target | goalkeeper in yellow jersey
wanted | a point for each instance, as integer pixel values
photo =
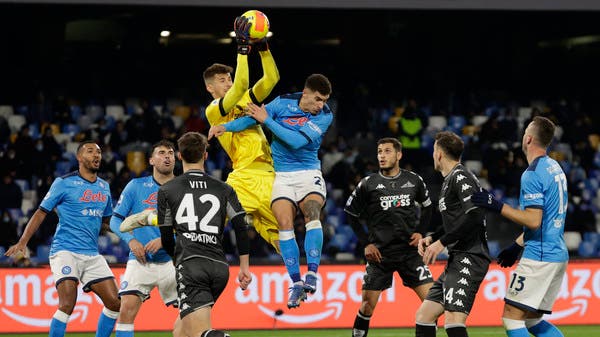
(253, 173)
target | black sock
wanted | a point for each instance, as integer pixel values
(422, 330)
(361, 325)
(457, 331)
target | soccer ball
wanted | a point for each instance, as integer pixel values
(259, 23)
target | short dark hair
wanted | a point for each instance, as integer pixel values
(85, 142)
(216, 68)
(192, 146)
(163, 142)
(318, 82)
(450, 143)
(543, 130)
(391, 140)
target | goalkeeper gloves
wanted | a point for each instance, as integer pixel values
(241, 27)
(486, 200)
(509, 256)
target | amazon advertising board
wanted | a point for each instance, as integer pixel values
(28, 299)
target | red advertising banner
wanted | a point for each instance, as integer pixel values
(28, 299)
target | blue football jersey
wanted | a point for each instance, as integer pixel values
(544, 186)
(81, 205)
(139, 194)
(286, 111)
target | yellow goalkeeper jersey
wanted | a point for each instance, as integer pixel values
(248, 148)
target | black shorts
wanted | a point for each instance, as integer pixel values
(200, 282)
(409, 265)
(456, 288)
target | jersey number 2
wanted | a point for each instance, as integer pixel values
(186, 213)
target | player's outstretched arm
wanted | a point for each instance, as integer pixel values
(529, 217)
(30, 229)
(267, 82)
(241, 81)
(143, 218)
(292, 138)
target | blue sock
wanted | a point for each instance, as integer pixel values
(124, 330)
(313, 244)
(290, 253)
(106, 323)
(58, 324)
(545, 329)
(521, 332)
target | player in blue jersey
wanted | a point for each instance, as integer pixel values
(298, 122)
(149, 265)
(536, 281)
(83, 203)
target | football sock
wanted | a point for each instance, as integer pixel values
(544, 329)
(124, 330)
(313, 243)
(106, 322)
(515, 327)
(425, 329)
(456, 330)
(58, 325)
(290, 253)
(361, 325)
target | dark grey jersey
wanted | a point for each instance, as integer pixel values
(454, 205)
(197, 206)
(390, 207)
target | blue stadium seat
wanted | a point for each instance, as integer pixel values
(104, 245)
(341, 242)
(70, 129)
(42, 254)
(456, 123)
(2, 257)
(587, 249)
(593, 237)
(62, 168)
(23, 184)
(75, 111)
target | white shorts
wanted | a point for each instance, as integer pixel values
(140, 279)
(295, 186)
(87, 269)
(534, 285)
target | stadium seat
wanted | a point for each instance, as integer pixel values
(6, 111)
(42, 254)
(136, 161)
(23, 184)
(437, 123)
(572, 240)
(71, 147)
(524, 112)
(62, 138)
(95, 112)
(15, 213)
(587, 249)
(75, 111)
(177, 122)
(333, 220)
(474, 166)
(2, 257)
(62, 168)
(34, 130)
(15, 122)
(26, 206)
(84, 122)
(593, 237)
(104, 245)
(456, 123)
(115, 111)
(71, 129)
(479, 120)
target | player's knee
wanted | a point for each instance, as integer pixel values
(214, 333)
(367, 308)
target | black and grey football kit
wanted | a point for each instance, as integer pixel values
(391, 207)
(195, 206)
(464, 234)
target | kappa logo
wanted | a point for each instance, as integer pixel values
(461, 291)
(407, 185)
(465, 187)
(459, 177)
(463, 281)
(379, 186)
(458, 303)
(466, 261)
(465, 271)
(185, 306)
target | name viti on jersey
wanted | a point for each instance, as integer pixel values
(388, 201)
